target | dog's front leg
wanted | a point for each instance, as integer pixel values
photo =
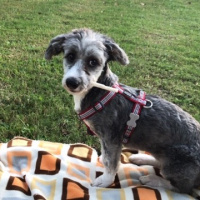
(110, 157)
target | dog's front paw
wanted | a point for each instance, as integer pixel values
(104, 180)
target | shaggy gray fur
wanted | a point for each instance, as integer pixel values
(171, 135)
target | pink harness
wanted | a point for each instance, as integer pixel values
(139, 103)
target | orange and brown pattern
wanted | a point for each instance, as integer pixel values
(51, 171)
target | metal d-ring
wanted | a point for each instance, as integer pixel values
(151, 104)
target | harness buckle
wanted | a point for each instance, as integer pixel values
(99, 106)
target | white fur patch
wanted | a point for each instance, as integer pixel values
(77, 101)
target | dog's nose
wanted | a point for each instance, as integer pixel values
(72, 83)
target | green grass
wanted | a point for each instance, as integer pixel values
(162, 39)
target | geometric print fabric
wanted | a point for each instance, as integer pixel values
(47, 164)
(19, 184)
(43, 170)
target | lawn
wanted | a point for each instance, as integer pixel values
(161, 38)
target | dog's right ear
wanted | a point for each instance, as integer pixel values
(56, 46)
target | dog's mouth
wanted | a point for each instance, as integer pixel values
(80, 89)
(74, 91)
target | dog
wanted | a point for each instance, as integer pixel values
(171, 135)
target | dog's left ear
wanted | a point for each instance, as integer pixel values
(116, 53)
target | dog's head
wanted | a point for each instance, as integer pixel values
(86, 54)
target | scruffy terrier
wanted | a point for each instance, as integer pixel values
(129, 118)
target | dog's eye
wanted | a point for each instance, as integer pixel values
(93, 62)
(71, 57)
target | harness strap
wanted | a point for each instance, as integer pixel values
(139, 103)
(141, 99)
(137, 107)
(98, 106)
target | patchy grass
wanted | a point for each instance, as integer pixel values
(161, 38)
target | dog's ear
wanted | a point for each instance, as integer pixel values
(115, 52)
(56, 46)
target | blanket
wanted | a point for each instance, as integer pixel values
(44, 170)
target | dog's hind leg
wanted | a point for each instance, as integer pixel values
(179, 179)
(181, 175)
(151, 180)
(110, 158)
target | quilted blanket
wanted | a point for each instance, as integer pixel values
(44, 170)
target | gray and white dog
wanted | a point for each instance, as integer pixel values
(171, 135)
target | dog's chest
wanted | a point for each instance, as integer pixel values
(77, 101)
(77, 107)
